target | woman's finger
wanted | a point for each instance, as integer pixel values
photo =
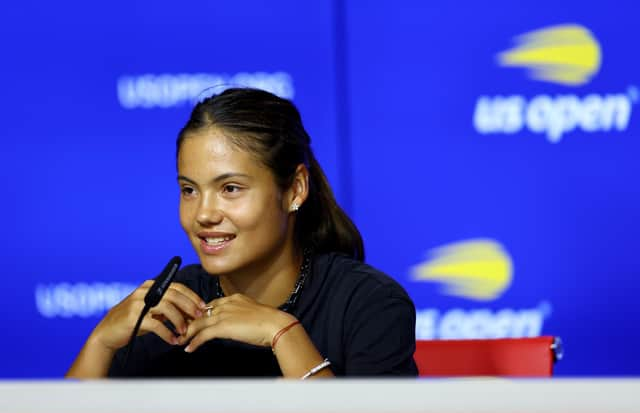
(210, 318)
(174, 288)
(235, 317)
(183, 302)
(189, 293)
(211, 313)
(213, 331)
(172, 313)
(150, 324)
(235, 298)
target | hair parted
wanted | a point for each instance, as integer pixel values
(270, 128)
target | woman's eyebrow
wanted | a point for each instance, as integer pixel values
(184, 178)
(217, 178)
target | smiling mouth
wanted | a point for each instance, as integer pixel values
(217, 240)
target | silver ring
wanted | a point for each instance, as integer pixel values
(209, 309)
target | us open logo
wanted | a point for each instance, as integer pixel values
(568, 56)
(478, 270)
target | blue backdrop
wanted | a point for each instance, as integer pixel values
(486, 151)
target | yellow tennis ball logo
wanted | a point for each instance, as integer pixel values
(478, 269)
(567, 54)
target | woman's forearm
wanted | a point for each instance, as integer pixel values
(297, 354)
(92, 362)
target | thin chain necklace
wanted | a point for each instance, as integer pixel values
(288, 306)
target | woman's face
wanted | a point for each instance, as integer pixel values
(230, 206)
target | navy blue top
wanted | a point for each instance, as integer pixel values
(359, 318)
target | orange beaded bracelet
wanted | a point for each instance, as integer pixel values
(279, 334)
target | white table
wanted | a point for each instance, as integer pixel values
(493, 395)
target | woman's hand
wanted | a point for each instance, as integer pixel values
(179, 305)
(239, 318)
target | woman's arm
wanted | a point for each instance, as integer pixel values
(93, 361)
(297, 354)
(178, 305)
(240, 318)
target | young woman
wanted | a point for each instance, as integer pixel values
(281, 288)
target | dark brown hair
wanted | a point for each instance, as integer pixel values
(270, 128)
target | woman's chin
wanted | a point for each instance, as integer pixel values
(216, 265)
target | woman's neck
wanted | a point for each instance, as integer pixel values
(269, 281)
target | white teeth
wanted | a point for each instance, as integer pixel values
(217, 240)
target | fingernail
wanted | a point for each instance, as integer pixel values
(199, 313)
(188, 348)
(203, 304)
(174, 341)
(183, 330)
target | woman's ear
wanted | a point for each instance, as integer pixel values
(299, 189)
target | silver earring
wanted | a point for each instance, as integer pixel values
(294, 207)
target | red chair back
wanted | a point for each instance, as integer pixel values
(524, 357)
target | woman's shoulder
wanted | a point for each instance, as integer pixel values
(346, 273)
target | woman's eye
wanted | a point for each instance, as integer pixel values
(231, 188)
(185, 190)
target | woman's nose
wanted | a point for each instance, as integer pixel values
(209, 212)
